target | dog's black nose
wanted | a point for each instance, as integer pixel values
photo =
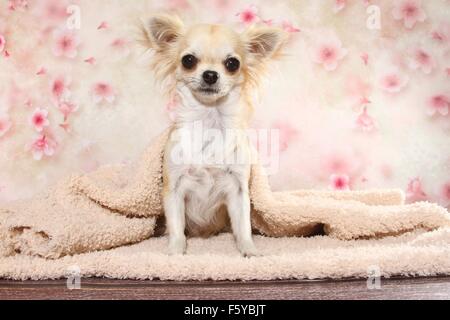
(210, 77)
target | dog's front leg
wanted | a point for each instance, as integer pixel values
(176, 221)
(238, 205)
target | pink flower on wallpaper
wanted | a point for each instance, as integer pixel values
(103, 92)
(357, 90)
(103, 25)
(268, 22)
(67, 108)
(28, 103)
(287, 133)
(329, 53)
(286, 25)
(248, 15)
(289, 27)
(421, 59)
(14, 4)
(365, 58)
(60, 88)
(365, 122)
(66, 44)
(410, 11)
(5, 125)
(415, 192)
(39, 120)
(386, 171)
(90, 60)
(54, 9)
(121, 47)
(340, 182)
(393, 81)
(442, 33)
(445, 193)
(178, 4)
(438, 104)
(42, 145)
(2, 43)
(339, 5)
(41, 71)
(65, 126)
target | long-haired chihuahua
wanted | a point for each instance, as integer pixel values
(213, 70)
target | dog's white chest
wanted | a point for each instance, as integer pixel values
(207, 164)
(208, 172)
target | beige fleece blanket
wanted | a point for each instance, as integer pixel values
(103, 224)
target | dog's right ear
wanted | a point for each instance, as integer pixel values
(163, 30)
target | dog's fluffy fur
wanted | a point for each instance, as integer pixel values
(201, 197)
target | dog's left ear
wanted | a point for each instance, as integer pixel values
(264, 42)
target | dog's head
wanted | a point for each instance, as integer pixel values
(210, 60)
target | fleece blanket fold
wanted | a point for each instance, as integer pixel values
(85, 216)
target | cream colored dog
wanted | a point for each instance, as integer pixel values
(207, 161)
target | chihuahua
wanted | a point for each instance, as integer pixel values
(207, 161)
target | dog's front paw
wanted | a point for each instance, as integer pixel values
(249, 250)
(177, 246)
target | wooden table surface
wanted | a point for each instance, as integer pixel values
(94, 288)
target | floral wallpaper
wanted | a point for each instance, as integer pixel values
(360, 100)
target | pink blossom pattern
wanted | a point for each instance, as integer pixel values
(438, 104)
(286, 25)
(14, 4)
(365, 122)
(340, 182)
(415, 191)
(67, 108)
(339, 5)
(60, 88)
(358, 90)
(328, 54)
(102, 91)
(121, 47)
(65, 126)
(268, 22)
(2, 43)
(66, 44)
(410, 11)
(103, 25)
(249, 15)
(39, 120)
(178, 4)
(5, 125)
(393, 81)
(53, 10)
(90, 60)
(441, 34)
(287, 133)
(289, 27)
(422, 60)
(42, 146)
(360, 97)
(365, 58)
(386, 171)
(41, 71)
(445, 192)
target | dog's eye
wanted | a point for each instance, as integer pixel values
(189, 61)
(232, 64)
